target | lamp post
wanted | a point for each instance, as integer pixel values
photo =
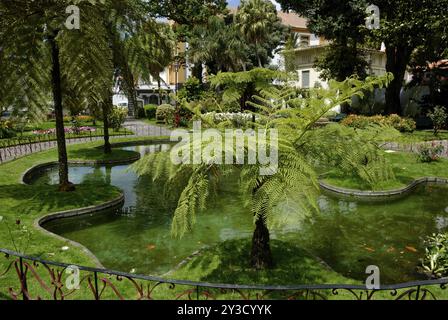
(176, 76)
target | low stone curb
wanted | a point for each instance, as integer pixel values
(139, 142)
(378, 194)
(39, 222)
(28, 175)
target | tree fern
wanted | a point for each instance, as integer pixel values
(295, 175)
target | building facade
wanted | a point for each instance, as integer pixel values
(310, 47)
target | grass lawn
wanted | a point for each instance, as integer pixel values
(406, 168)
(26, 203)
(225, 263)
(423, 135)
(155, 123)
(228, 263)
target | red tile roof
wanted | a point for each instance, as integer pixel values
(293, 20)
(288, 19)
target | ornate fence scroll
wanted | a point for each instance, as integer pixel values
(31, 278)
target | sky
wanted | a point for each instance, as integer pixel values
(235, 3)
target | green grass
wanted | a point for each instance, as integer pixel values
(406, 168)
(229, 262)
(422, 136)
(154, 122)
(226, 263)
(27, 203)
(50, 124)
(30, 137)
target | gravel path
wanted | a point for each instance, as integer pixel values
(414, 147)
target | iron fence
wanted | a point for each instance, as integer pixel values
(34, 278)
(14, 148)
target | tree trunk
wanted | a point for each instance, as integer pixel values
(397, 61)
(106, 110)
(64, 183)
(198, 70)
(260, 64)
(159, 86)
(261, 255)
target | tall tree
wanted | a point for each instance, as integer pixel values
(258, 22)
(294, 174)
(186, 12)
(218, 45)
(404, 26)
(33, 35)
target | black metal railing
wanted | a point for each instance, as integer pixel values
(28, 278)
(14, 148)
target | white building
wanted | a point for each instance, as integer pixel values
(310, 47)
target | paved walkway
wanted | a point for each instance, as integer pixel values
(143, 129)
(140, 129)
(414, 147)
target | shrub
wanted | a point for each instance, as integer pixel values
(79, 118)
(394, 120)
(435, 262)
(150, 111)
(7, 129)
(165, 113)
(429, 153)
(192, 90)
(140, 113)
(438, 118)
(117, 117)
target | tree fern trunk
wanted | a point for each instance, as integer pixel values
(106, 110)
(64, 183)
(261, 255)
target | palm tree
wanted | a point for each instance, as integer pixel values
(32, 35)
(294, 175)
(257, 20)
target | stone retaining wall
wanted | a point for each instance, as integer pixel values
(379, 194)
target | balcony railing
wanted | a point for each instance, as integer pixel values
(31, 278)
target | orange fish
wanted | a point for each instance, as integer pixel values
(369, 249)
(411, 249)
(150, 247)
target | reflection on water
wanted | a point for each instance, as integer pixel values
(347, 234)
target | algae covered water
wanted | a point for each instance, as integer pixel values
(348, 234)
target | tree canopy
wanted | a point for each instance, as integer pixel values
(404, 27)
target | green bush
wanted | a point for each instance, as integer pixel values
(117, 117)
(192, 90)
(150, 111)
(140, 113)
(430, 153)
(394, 120)
(7, 129)
(165, 113)
(438, 118)
(82, 118)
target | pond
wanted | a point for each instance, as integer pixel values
(348, 234)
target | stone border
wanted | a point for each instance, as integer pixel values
(139, 142)
(28, 174)
(115, 203)
(378, 194)
(39, 223)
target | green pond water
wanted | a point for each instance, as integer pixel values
(348, 234)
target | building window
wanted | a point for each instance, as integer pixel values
(305, 79)
(304, 40)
